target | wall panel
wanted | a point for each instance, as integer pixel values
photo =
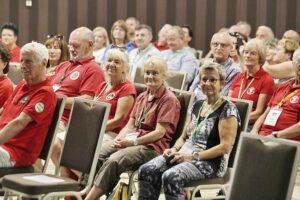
(205, 16)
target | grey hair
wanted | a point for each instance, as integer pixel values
(246, 24)
(39, 50)
(270, 32)
(212, 66)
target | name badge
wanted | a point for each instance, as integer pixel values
(55, 87)
(132, 136)
(273, 116)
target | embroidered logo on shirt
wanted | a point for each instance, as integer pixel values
(110, 96)
(251, 91)
(294, 99)
(39, 107)
(23, 100)
(74, 75)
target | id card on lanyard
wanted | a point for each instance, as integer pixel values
(276, 111)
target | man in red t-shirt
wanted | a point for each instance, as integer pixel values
(282, 117)
(79, 77)
(27, 114)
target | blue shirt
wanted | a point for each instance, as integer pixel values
(129, 46)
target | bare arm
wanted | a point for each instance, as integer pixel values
(14, 127)
(263, 99)
(123, 108)
(70, 100)
(1, 110)
(260, 121)
(290, 132)
(281, 70)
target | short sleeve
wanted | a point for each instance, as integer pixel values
(40, 105)
(127, 89)
(230, 110)
(268, 86)
(169, 111)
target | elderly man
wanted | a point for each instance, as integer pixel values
(79, 77)
(9, 36)
(220, 45)
(264, 33)
(281, 118)
(178, 57)
(291, 35)
(27, 114)
(137, 57)
(161, 43)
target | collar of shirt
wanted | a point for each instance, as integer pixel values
(257, 75)
(226, 63)
(144, 50)
(295, 86)
(159, 92)
(83, 61)
(32, 87)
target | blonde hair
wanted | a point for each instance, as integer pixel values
(104, 33)
(118, 53)
(258, 46)
(159, 64)
(290, 46)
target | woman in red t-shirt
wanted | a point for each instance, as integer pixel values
(254, 84)
(6, 87)
(117, 91)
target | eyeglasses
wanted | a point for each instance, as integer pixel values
(58, 36)
(212, 80)
(123, 49)
(222, 45)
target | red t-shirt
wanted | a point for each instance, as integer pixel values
(122, 89)
(81, 78)
(38, 101)
(6, 88)
(165, 109)
(263, 84)
(290, 109)
(15, 54)
(160, 48)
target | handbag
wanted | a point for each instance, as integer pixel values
(120, 192)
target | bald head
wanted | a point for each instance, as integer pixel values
(221, 45)
(291, 35)
(81, 43)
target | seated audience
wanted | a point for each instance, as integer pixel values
(270, 51)
(144, 50)
(161, 43)
(6, 86)
(291, 35)
(264, 33)
(284, 52)
(27, 114)
(117, 91)
(101, 42)
(221, 46)
(131, 23)
(147, 134)
(9, 36)
(180, 58)
(244, 29)
(254, 84)
(281, 118)
(58, 52)
(203, 149)
(118, 36)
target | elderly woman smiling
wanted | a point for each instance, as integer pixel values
(147, 134)
(254, 84)
(202, 151)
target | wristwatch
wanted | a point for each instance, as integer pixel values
(134, 142)
(196, 156)
(275, 134)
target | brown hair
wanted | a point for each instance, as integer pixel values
(121, 23)
(5, 56)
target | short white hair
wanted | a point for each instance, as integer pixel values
(39, 50)
(269, 30)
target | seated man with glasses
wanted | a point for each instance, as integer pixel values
(221, 45)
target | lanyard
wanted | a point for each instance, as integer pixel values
(200, 125)
(143, 114)
(241, 94)
(65, 74)
(287, 98)
(101, 92)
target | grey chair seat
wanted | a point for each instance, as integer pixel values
(17, 182)
(17, 170)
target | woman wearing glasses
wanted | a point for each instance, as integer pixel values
(148, 132)
(58, 52)
(254, 84)
(202, 151)
(6, 87)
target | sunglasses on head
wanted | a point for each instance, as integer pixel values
(58, 36)
(123, 49)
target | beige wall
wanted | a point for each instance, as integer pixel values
(205, 16)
